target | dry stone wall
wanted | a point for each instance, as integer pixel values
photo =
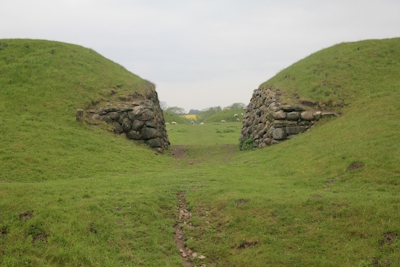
(270, 122)
(141, 120)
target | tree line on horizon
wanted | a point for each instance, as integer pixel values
(207, 111)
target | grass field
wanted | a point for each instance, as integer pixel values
(169, 117)
(72, 195)
(227, 115)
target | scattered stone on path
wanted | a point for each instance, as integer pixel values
(183, 254)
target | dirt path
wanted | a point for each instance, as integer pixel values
(179, 232)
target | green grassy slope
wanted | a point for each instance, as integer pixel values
(169, 117)
(298, 203)
(42, 84)
(82, 185)
(344, 73)
(197, 134)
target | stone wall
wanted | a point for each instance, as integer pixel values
(270, 122)
(140, 119)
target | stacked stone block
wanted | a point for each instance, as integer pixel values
(269, 122)
(141, 121)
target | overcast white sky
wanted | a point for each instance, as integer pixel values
(202, 53)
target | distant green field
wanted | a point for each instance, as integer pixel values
(207, 134)
(74, 195)
(169, 117)
(227, 115)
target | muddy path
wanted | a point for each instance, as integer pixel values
(179, 232)
(183, 217)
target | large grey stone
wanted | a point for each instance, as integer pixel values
(113, 115)
(293, 116)
(270, 116)
(261, 145)
(307, 116)
(317, 115)
(268, 141)
(280, 124)
(122, 116)
(271, 130)
(146, 115)
(96, 117)
(118, 127)
(288, 108)
(137, 125)
(107, 119)
(138, 109)
(151, 123)
(125, 109)
(131, 115)
(279, 134)
(110, 109)
(271, 105)
(126, 125)
(276, 109)
(156, 142)
(295, 129)
(304, 123)
(135, 135)
(275, 142)
(280, 115)
(150, 133)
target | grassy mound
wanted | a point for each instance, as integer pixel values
(42, 85)
(170, 117)
(62, 182)
(342, 74)
(227, 115)
(329, 197)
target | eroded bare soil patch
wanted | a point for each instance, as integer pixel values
(178, 152)
(356, 165)
(41, 237)
(246, 244)
(179, 232)
(242, 202)
(26, 215)
(389, 237)
(3, 232)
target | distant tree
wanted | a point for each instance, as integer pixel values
(211, 110)
(163, 105)
(236, 106)
(194, 111)
(176, 110)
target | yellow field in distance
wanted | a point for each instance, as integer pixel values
(190, 116)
